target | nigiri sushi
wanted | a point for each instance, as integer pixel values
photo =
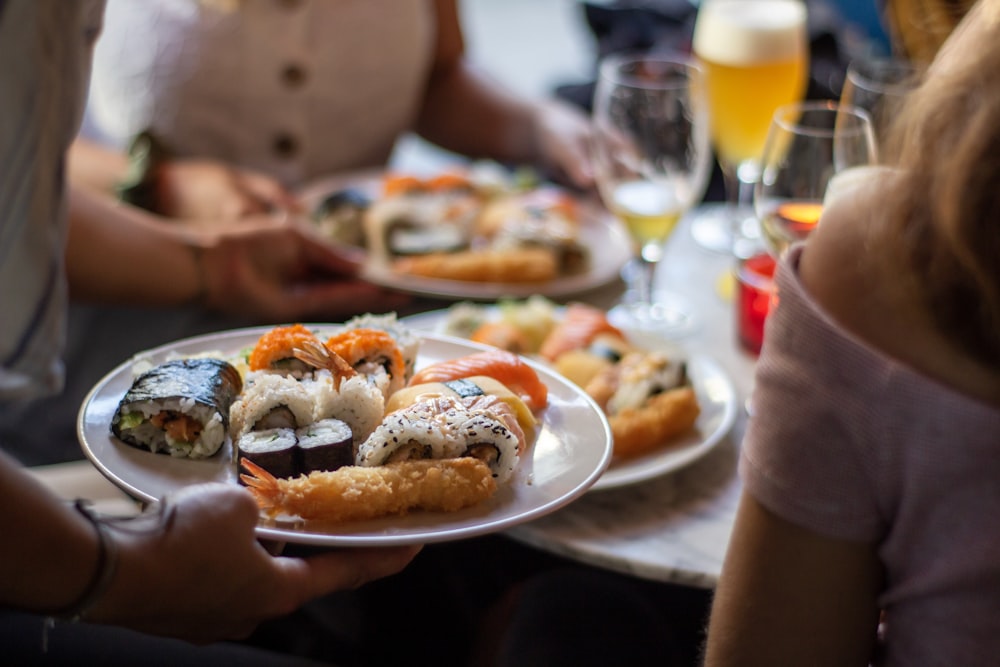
(580, 324)
(502, 365)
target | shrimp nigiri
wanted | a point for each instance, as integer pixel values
(500, 365)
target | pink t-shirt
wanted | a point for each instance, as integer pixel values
(852, 444)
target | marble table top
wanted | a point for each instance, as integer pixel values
(675, 527)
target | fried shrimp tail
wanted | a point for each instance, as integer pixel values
(354, 493)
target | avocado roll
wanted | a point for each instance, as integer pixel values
(180, 408)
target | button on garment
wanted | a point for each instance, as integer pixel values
(285, 145)
(293, 76)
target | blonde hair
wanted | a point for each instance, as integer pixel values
(919, 27)
(947, 204)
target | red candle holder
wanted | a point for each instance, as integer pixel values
(754, 296)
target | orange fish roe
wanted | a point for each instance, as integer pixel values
(397, 184)
(277, 344)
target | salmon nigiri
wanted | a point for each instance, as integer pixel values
(579, 326)
(501, 365)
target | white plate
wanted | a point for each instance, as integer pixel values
(606, 240)
(716, 396)
(572, 449)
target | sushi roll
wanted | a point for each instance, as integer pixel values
(180, 408)
(275, 351)
(323, 445)
(372, 353)
(272, 449)
(445, 428)
(488, 439)
(357, 401)
(340, 216)
(405, 337)
(271, 401)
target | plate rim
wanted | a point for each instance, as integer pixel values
(427, 535)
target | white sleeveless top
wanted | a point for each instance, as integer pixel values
(295, 88)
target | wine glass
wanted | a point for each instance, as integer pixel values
(878, 85)
(755, 55)
(651, 161)
(807, 146)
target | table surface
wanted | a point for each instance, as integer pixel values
(676, 527)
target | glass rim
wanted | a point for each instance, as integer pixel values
(789, 118)
(610, 69)
(862, 70)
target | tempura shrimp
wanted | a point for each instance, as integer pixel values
(354, 493)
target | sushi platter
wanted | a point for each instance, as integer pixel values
(601, 247)
(715, 392)
(569, 450)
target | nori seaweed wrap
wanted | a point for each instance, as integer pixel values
(180, 408)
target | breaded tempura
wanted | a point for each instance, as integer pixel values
(522, 265)
(355, 493)
(640, 430)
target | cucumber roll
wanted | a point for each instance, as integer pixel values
(324, 445)
(274, 450)
(180, 408)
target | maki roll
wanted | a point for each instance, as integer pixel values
(340, 216)
(275, 351)
(286, 452)
(325, 445)
(356, 401)
(180, 408)
(446, 428)
(271, 401)
(271, 449)
(405, 337)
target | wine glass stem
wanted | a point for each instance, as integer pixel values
(646, 262)
(739, 181)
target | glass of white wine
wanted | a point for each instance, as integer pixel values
(879, 86)
(807, 146)
(755, 56)
(652, 160)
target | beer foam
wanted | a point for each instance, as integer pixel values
(747, 32)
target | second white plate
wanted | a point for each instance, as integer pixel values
(606, 240)
(716, 396)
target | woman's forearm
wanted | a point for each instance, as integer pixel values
(50, 566)
(120, 254)
(96, 167)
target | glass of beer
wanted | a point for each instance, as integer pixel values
(652, 160)
(755, 55)
(808, 145)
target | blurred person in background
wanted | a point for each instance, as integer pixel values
(885, 342)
